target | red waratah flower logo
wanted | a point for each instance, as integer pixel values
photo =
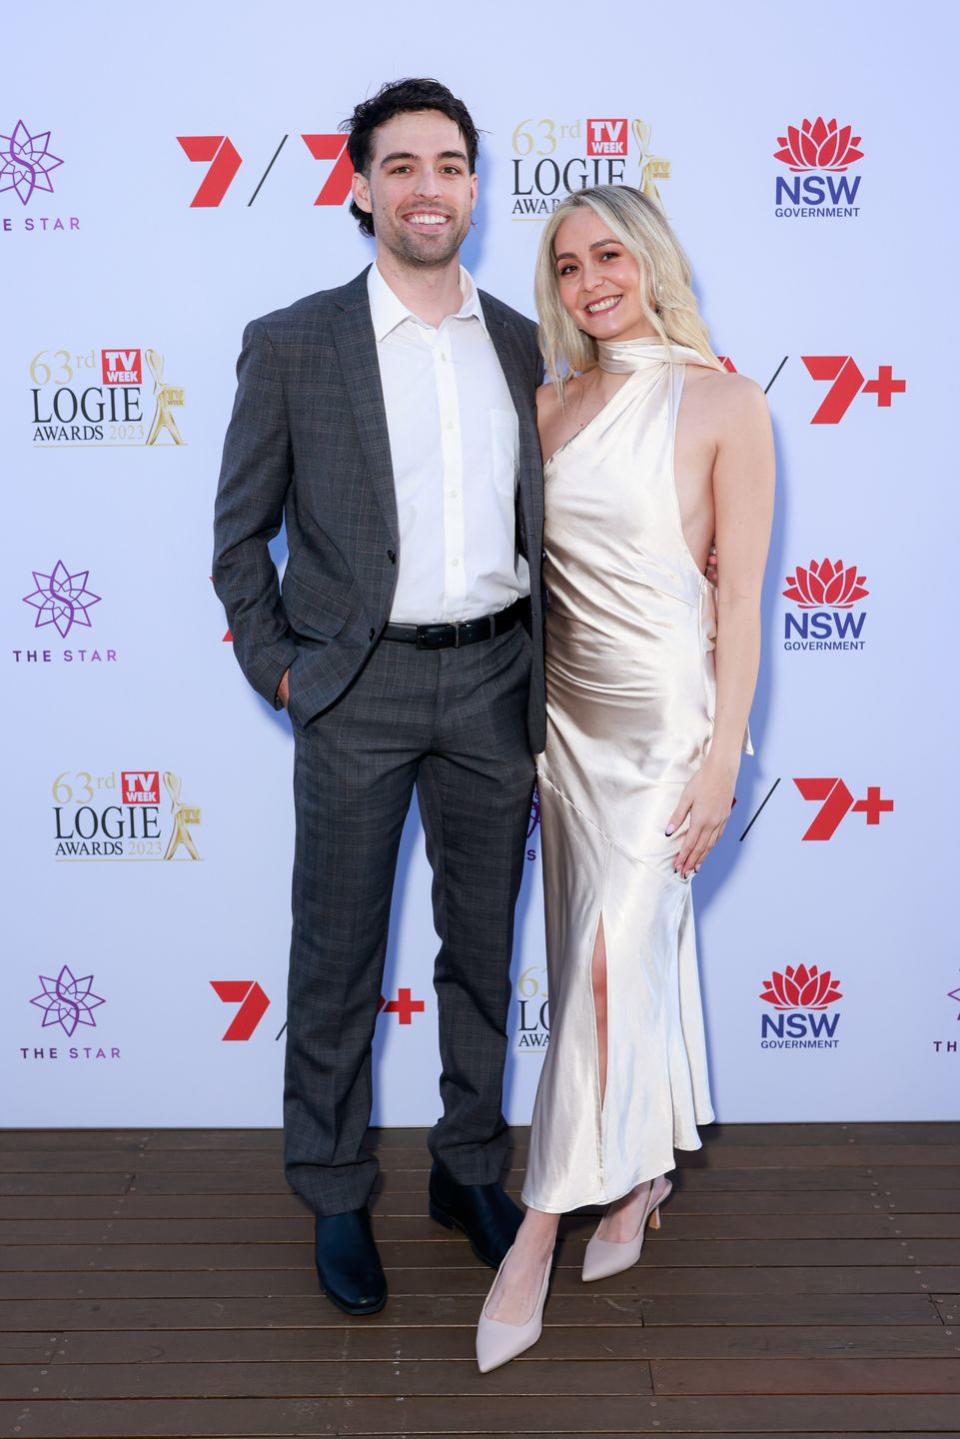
(801, 988)
(828, 582)
(820, 145)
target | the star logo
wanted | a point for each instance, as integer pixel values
(67, 1001)
(25, 162)
(954, 994)
(61, 599)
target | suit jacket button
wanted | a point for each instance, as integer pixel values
(372, 633)
(392, 556)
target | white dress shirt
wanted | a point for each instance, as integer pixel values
(454, 444)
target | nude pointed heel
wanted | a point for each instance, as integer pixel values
(604, 1257)
(498, 1342)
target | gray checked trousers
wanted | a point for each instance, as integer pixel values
(452, 723)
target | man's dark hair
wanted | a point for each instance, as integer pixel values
(397, 98)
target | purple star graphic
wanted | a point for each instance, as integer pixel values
(61, 599)
(26, 162)
(954, 994)
(67, 1001)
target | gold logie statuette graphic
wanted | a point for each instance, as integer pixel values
(183, 816)
(167, 397)
(652, 167)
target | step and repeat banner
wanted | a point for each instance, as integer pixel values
(164, 180)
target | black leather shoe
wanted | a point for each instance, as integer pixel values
(485, 1213)
(348, 1264)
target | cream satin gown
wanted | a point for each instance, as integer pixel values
(630, 701)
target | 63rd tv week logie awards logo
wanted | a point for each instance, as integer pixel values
(551, 158)
(96, 397)
(122, 816)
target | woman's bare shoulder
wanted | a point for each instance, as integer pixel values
(726, 393)
(551, 402)
(548, 397)
(727, 383)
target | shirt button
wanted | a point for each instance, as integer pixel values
(455, 564)
(454, 494)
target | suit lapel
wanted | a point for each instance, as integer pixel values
(517, 374)
(503, 342)
(360, 367)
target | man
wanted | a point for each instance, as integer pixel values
(392, 423)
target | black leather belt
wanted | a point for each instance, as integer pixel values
(453, 636)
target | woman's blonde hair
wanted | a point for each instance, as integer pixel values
(641, 227)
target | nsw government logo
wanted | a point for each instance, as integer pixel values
(552, 158)
(122, 816)
(97, 398)
(817, 154)
(825, 593)
(800, 997)
(62, 601)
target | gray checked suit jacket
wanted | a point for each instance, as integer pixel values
(308, 442)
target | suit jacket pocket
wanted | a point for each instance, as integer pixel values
(315, 610)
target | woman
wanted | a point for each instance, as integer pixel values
(652, 449)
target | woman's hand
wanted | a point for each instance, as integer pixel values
(708, 800)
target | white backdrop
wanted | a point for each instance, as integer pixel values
(137, 715)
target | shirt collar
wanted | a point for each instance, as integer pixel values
(387, 310)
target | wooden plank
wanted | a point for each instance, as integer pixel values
(559, 1342)
(400, 1137)
(319, 1378)
(915, 1177)
(927, 1201)
(98, 1161)
(117, 1226)
(17, 1141)
(208, 1180)
(450, 1251)
(502, 1414)
(842, 1309)
(29, 1184)
(804, 1376)
(739, 1157)
(854, 1132)
(260, 1308)
(473, 1280)
(897, 1131)
(739, 1206)
(28, 1348)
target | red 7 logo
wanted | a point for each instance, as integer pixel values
(336, 187)
(837, 801)
(847, 382)
(225, 162)
(252, 1000)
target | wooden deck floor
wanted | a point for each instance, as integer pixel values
(806, 1282)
